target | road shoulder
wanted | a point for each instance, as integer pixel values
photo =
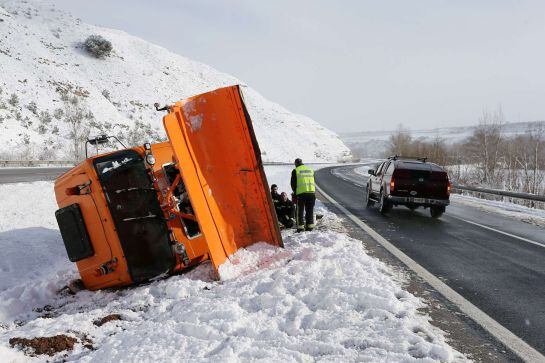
(463, 333)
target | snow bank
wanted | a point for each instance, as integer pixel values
(520, 212)
(322, 298)
(34, 265)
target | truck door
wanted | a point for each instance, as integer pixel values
(377, 178)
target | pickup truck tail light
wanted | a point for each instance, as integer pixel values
(449, 187)
(392, 185)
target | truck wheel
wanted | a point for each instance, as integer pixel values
(367, 197)
(384, 205)
(437, 211)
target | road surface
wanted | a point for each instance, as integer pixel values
(503, 274)
(22, 175)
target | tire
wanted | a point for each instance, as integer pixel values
(367, 197)
(384, 205)
(437, 211)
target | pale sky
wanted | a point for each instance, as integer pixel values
(357, 65)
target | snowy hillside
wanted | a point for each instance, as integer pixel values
(375, 143)
(42, 58)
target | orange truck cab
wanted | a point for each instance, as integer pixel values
(134, 214)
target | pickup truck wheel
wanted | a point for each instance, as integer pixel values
(384, 205)
(367, 197)
(437, 211)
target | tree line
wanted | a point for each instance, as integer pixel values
(488, 157)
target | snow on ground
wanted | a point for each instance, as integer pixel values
(525, 214)
(322, 298)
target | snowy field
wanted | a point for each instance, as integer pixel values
(322, 298)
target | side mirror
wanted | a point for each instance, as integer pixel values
(371, 171)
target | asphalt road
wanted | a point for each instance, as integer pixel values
(502, 275)
(23, 175)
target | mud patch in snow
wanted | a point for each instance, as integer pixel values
(44, 345)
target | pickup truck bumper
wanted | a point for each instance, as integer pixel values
(418, 201)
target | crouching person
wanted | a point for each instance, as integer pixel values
(285, 211)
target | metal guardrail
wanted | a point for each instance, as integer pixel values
(309, 163)
(503, 193)
(5, 163)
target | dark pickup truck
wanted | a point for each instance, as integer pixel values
(412, 182)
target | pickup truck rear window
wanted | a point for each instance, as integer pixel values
(413, 165)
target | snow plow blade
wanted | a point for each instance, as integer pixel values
(215, 146)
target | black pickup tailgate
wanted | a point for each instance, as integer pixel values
(420, 180)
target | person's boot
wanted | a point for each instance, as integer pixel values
(300, 229)
(309, 227)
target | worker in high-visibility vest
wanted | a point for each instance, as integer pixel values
(302, 184)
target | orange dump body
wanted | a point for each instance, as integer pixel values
(125, 220)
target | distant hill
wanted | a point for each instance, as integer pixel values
(375, 143)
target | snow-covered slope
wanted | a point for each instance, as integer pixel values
(41, 57)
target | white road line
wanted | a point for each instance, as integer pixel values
(498, 231)
(510, 340)
(351, 181)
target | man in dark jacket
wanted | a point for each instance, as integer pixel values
(302, 184)
(285, 211)
(274, 194)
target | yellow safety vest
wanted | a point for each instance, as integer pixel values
(305, 180)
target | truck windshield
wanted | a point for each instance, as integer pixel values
(136, 213)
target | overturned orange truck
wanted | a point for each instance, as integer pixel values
(134, 214)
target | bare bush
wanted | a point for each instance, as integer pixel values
(486, 143)
(32, 107)
(401, 143)
(58, 113)
(14, 100)
(98, 46)
(76, 116)
(491, 159)
(139, 133)
(106, 94)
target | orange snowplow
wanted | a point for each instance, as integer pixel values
(137, 213)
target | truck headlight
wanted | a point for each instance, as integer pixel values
(150, 159)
